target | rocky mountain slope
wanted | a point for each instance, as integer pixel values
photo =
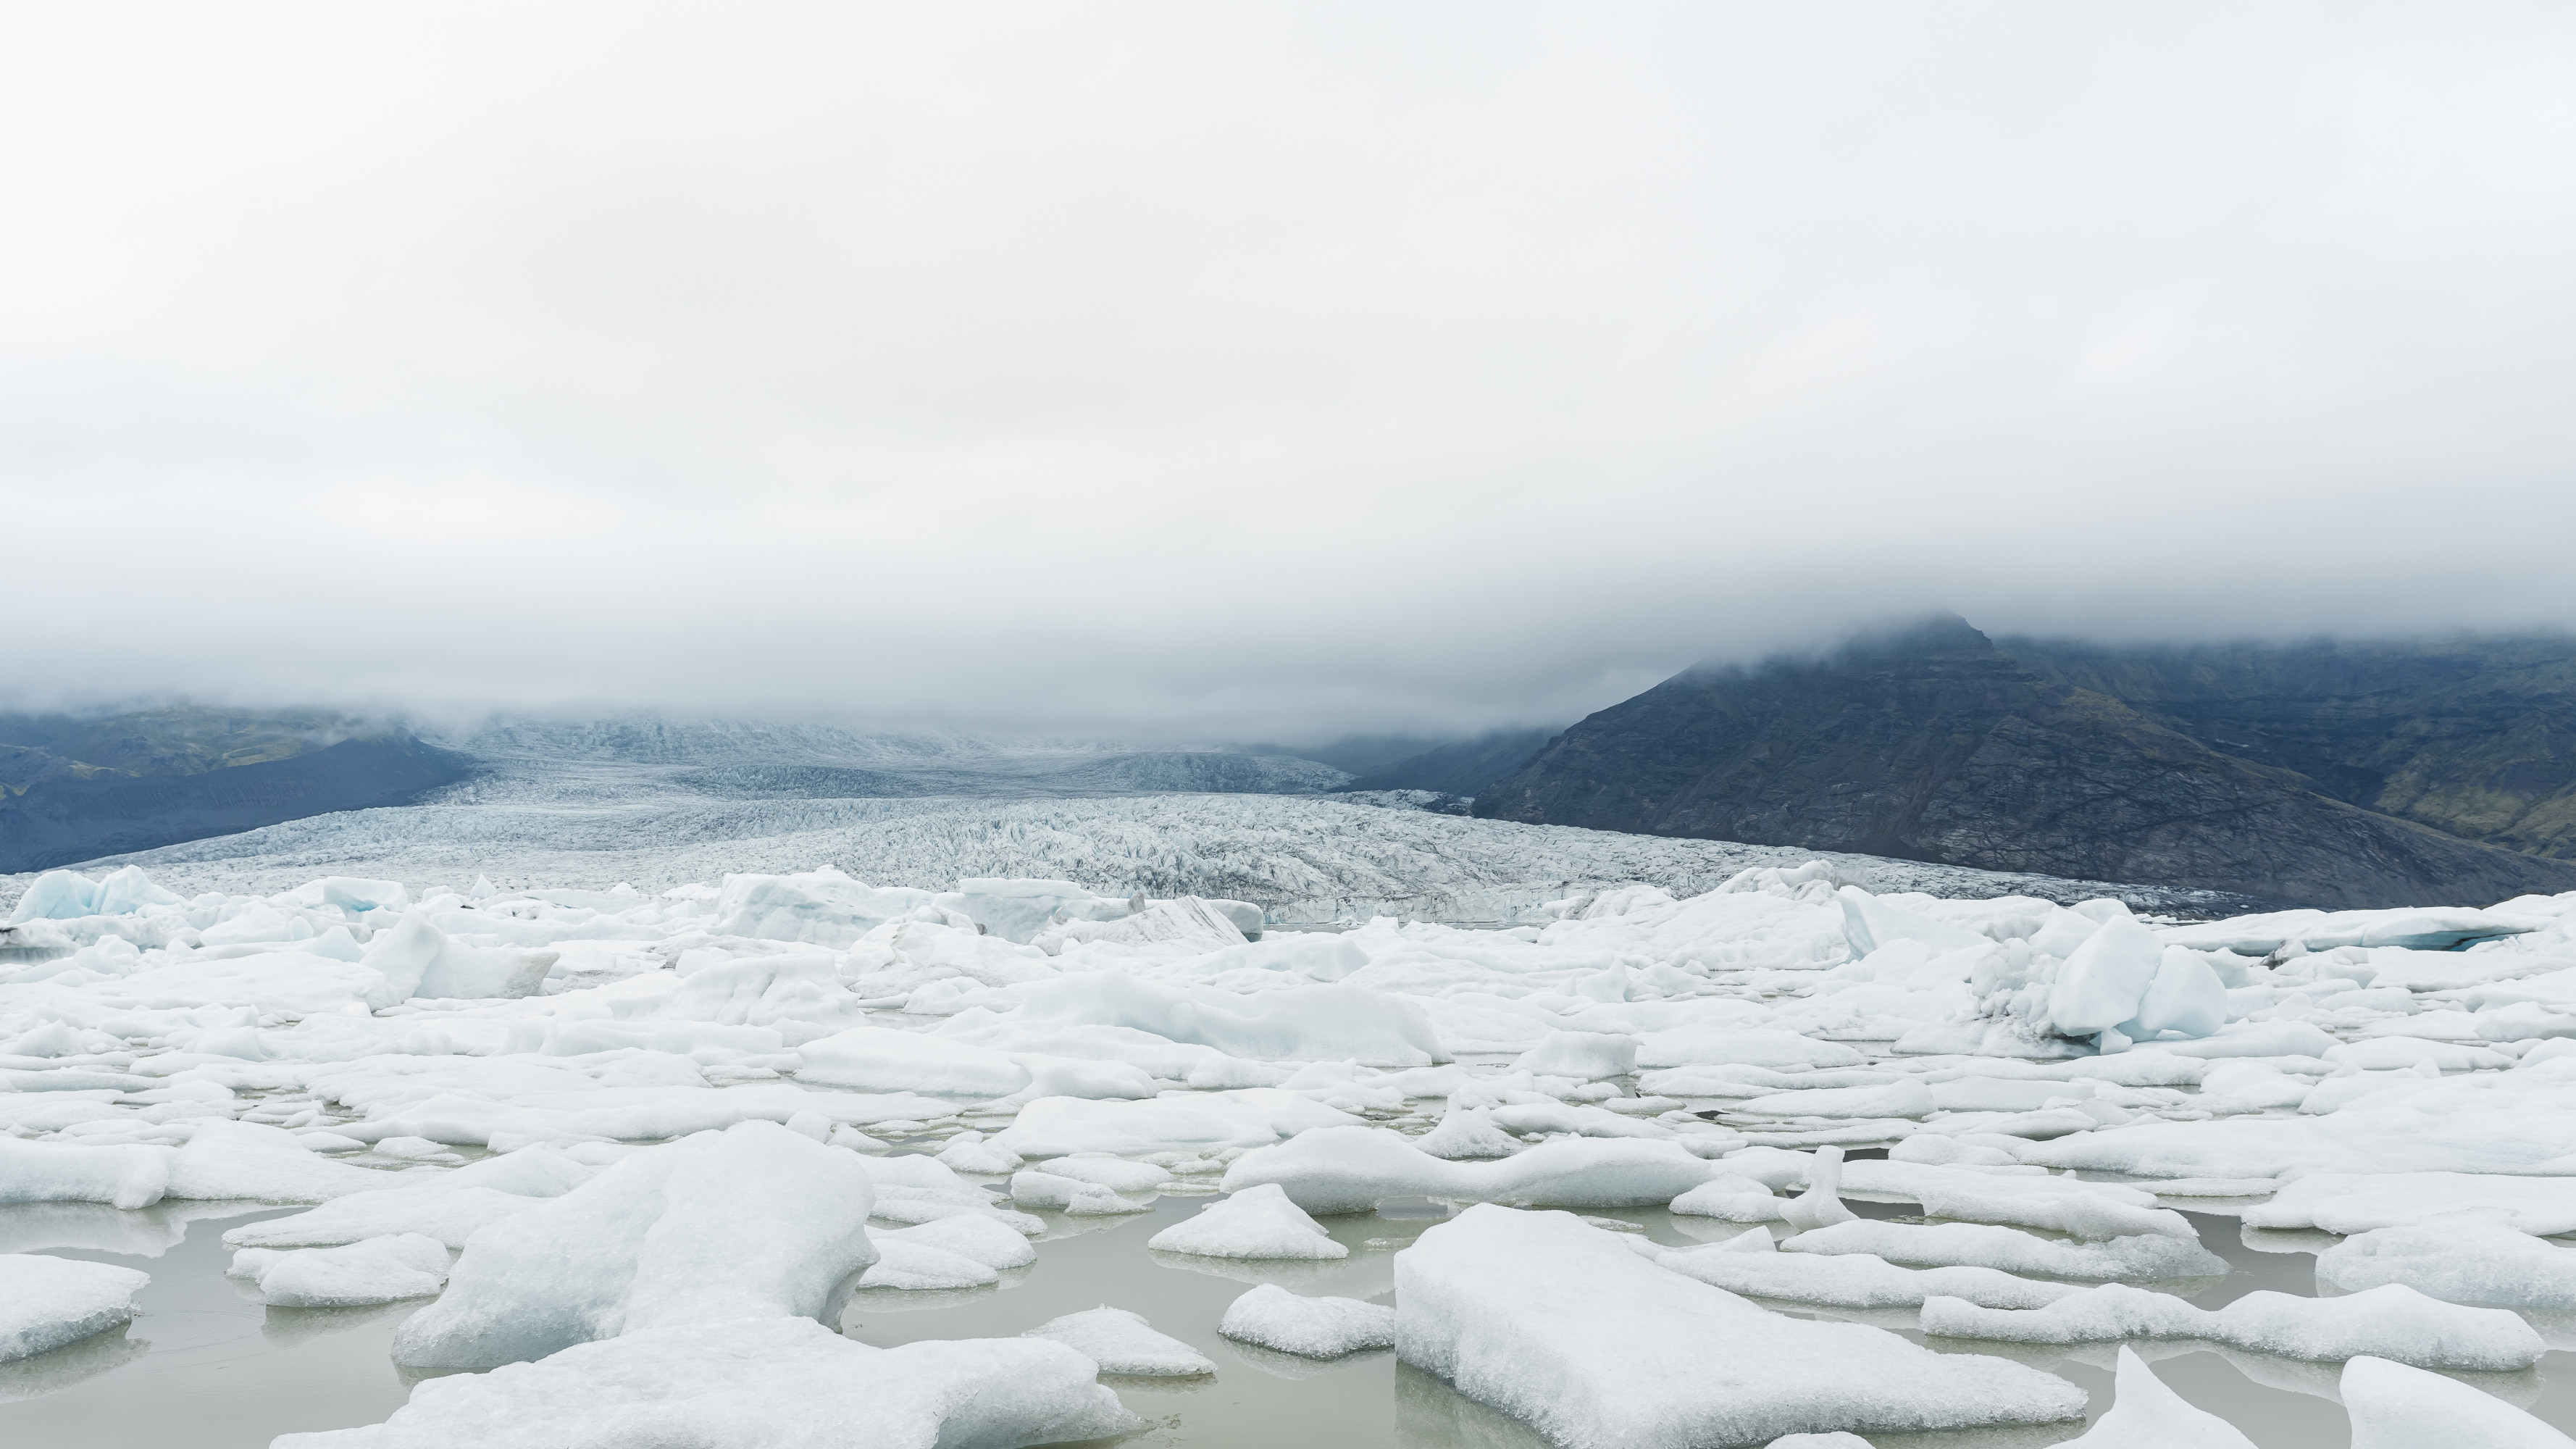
(72, 789)
(2476, 738)
(2179, 766)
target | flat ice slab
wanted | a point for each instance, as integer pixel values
(1564, 1326)
(46, 1302)
(781, 1383)
(1124, 1343)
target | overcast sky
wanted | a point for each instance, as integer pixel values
(1221, 371)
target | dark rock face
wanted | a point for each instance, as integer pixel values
(56, 810)
(1933, 744)
(2474, 737)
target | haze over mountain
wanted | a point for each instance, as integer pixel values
(1231, 373)
(2332, 774)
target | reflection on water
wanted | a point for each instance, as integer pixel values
(204, 1367)
(210, 1366)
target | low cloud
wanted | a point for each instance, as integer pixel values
(1166, 372)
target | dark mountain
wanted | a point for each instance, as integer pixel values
(1460, 767)
(2476, 738)
(76, 789)
(2179, 767)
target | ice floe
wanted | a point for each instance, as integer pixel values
(1274, 1318)
(47, 1302)
(1560, 1325)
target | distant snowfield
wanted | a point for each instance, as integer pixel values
(583, 815)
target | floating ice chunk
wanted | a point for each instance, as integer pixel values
(1731, 1199)
(120, 1176)
(876, 1059)
(1116, 1174)
(2102, 984)
(2146, 1415)
(1467, 1134)
(415, 958)
(2396, 1407)
(46, 1302)
(1016, 910)
(1751, 1266)
(803, 1385)
(1821, 1205)
(984, 1240)
(750, 1222)
(913, 1266)
(354, 893)
(376, 1270)
(1565, 1327)
(1034, 1189)
(2185, 996)
(1124, 1343)
(1254, 1222)
(2390, 1053)
(1196, 1122)
(1272, 1317)
(1073, 1077)
(913, 1189)
(2460, 1259)
(57, 895)
(1353, 1169)
(1909, 1098)
(972, 1152)
(448, 1217)
(2417, 929)
(125, 891)
(1934, 1245)
(1340, 1022)
(2256, 1039)
(817, 908)
(2079, 1209)
(1870, 923)
(1317, 957)
(1585, 1056)
(1687, 1046)
(1166, 930)
(2341, 1202)
(1554, 1117)
(447, 1206)
(248, 1160)
(2391, 1322)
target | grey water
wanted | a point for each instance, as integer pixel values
(209, 1365)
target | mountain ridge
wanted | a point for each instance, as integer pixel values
(1934, 743)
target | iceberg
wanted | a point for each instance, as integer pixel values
(751, 1222)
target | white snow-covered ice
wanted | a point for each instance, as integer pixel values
(652, 1111)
